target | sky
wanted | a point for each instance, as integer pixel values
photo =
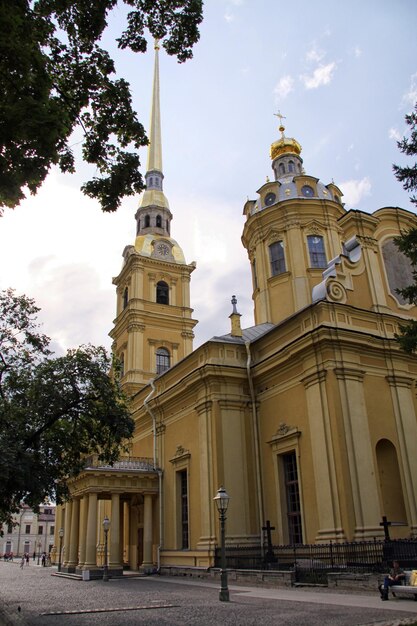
(344, 74)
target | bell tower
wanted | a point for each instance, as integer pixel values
(153, 328)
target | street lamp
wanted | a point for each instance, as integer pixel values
(61, 535)
(222, 502)
(106, 526)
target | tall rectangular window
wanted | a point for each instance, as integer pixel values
(27, 530)
(277, 258)
(183, 488)
(40, 530)
(295, 532)
(316, 251)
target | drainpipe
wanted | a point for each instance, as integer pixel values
(149, 411)
(256, 441)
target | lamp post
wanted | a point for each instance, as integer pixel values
(39, 549)
(106, 526)
(61, 535)
(222, 502)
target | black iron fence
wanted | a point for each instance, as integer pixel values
(313, 562)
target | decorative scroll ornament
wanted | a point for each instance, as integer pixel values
(337, 277)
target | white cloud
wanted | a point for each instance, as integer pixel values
(410, 96)
(393, 133)
(314, 55)
(354, 191)
(357, 51)
(229, 17)
(284, 86)
(322, 75)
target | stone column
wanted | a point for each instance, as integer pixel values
(406, 423)
(83, 529)
(360, 456)
(147, 564)
(328, 506)
(133, 536)
(75, 520)
(91, 539)
(67, 533)
(114, 561)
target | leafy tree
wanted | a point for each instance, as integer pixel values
(53, 410)
(54, 77)
(407, 242)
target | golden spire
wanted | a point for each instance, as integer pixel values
(155, 142)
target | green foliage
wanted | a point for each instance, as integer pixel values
(408, 145)
(53, 410)
(55, 77)
(407, 242)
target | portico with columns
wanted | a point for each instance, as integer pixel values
(127, 494)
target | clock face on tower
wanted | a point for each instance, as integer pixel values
(162, 249)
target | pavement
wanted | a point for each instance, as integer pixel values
(33, 597)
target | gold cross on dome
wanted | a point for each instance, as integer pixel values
(281, 117)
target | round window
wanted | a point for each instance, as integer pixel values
(307, 191)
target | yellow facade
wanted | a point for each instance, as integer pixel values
(308, 418)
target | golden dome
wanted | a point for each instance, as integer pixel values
(284, 145)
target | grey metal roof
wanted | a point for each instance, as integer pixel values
(248, 334)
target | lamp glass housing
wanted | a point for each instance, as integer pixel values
(222, 500)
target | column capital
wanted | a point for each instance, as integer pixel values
(313, 379)
(349, 373)
(400, 381)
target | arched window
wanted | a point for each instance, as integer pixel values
(291, 167)
(162, 292)
(147, 221)
(125, 297)
(138, 228)
(168, 227)
(316, 251)
(122, 364)
(163, 360)
(281, 168)
(277, 258)
(151, 181)
(158, 221)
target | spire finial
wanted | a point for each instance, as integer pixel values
(236, 330)
(281, 126)
(234, 302)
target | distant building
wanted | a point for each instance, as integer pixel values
(308, 418)
(30, 532)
